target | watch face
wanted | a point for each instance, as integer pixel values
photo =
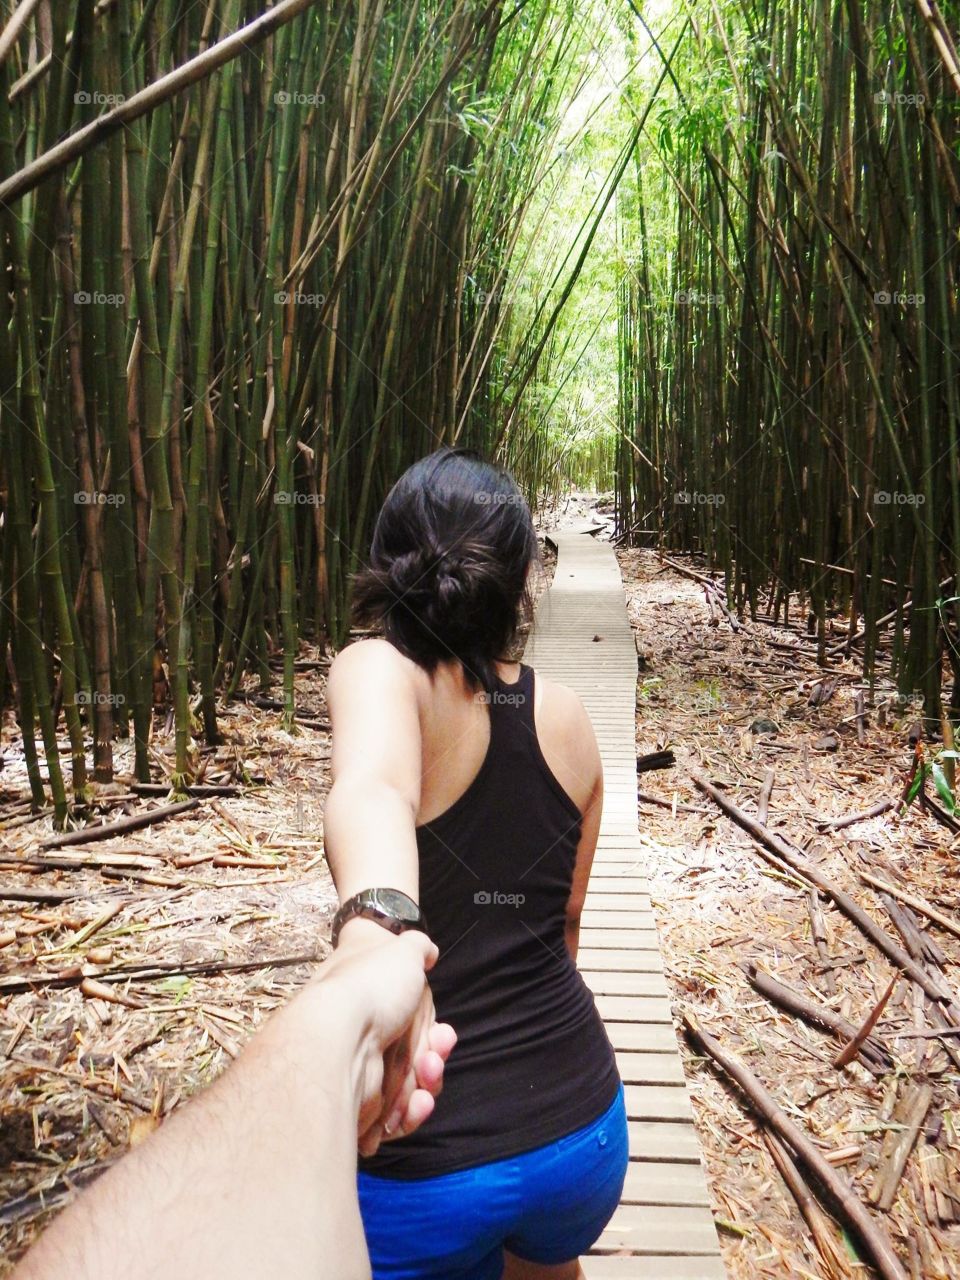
(398, 905)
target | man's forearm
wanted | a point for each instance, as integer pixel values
(255, 1177)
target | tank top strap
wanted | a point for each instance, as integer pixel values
(512, 704)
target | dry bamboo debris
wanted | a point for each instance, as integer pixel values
(871, 1050)
(850, 1208)
(106, 830)
(909, 1115)
(825, 1240)
(920, 946)
(710, 588)
(934, 987)
(149, 972)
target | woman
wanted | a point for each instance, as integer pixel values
(472, 789)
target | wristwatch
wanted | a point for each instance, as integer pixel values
(390, 908)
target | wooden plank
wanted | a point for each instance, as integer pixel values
(632, 960)
(617, 920)
(651, 1068)
(660, 1229)
(664, 1141)
(653, 1267)
(658, 1102)
(604, 983)
(648, 1183)
(622, 939)
(634, 1009)
(643, 1037)
(631, 884)
(596, 901)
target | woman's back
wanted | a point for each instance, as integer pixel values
(497, 851)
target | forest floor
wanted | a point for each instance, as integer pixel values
(86, 1070)
(719, 906)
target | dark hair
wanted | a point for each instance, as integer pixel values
(448, 564)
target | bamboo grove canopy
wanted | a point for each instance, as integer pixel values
(789, 338)
(258, 259)
(256, 262)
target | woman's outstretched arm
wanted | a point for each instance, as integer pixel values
(257, 1176)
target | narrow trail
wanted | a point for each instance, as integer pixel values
(582, 637)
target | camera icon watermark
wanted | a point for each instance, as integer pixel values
(94, 498)
(84, 299)
(284, 298)
(97, 699)
(884, 298)
(884, 498)
(695, 298)
(684, 498)
(494, 898)
(499, 499)
(291, 498)
(86, 98)
(499, 698)
(884, 98)
(283, 98)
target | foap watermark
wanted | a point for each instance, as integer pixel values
(94, 498)
(884, 498)
(88, 98)
(286, 99)
(684, 498)
(884, 98)
(288, 498)
(694, 298)
(500, 499)
(97, 699)
(494, 898)
(84, 299)
(884, 298)
(499, 698)
(285, 298)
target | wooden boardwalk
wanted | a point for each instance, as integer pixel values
(663, 1229)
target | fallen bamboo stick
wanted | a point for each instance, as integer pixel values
(837, 824)
(132, 822)
(150, 972)
(911, 900)
(813, 1215)
(36, 895)
(763, 803)
(854, 1212)
(894, 1159)
(644, 798)
(817, 1015)
(841, 899)
(856, 1043)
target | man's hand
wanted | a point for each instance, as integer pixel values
(403, 1047)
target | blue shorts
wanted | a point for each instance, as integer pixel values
(547, 1206)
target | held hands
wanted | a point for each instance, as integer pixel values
(403, 1047)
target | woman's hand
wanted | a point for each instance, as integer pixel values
(404, 1047)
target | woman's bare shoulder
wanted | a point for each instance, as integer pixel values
(566, 736)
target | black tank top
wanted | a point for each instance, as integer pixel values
(532, 1061)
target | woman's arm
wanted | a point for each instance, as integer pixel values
(587, 847)
(370, 820)
(370, 814)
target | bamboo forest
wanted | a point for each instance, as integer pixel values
(681, 280)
